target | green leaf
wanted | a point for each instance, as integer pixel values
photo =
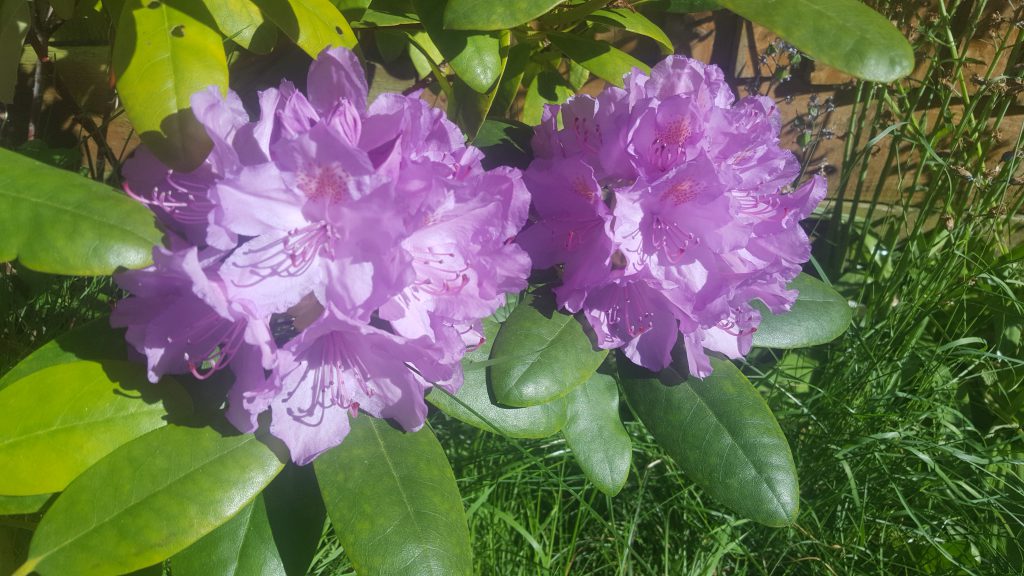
(393, 501)
(540, 354)
(59, 222)
(244, 546)
(634, 22)
(470, 107)
(504, 143)
(596, 436)
(95, 341)
(22, 504)
(275, 535)
(819, 315)
(148, 500)
(511, 78)
(845, 34)
(721, 433)
(14, 20)
(242, 22)
(489, 15)
(601, 58)
(312, 24)
(385, 13)
(89, 410)
(352, 9)
(475, 56)
(546, 87)
(163, 53)
(474, 405)
(13, 547)
(680, 6)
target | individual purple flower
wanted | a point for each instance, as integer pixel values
(666, 207)
(369, 232)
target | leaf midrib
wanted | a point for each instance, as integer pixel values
(76, 214)
(732, 440)
(97, 525)
(401, 488)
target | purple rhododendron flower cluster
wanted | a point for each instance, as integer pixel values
(667, 205)
(370, 232)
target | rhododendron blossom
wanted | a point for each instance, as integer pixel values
(369, 232)
(666, 206)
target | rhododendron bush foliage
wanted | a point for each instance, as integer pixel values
(313, 274)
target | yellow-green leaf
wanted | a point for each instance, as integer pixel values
(56, 422)
(148, 500)
(163, 54)
(242, 22)
(634, 22)
(59, 222)
(601, 58)
(312, 24)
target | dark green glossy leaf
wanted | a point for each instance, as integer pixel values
(601, 58)
(242, 22)
(392, 45)
(22, 504)
(721, 433)
(845, 34)
(540, 354)
(297, 514)
(14, 20)
(489, 15)
(504, 143)
(163, 53)
(819, 315)
(89, 410)
(275, 535)
(352, 9)
(475, 56)
(243, 546)
(13, 547)
(635, 22)
(470, 107)
(59, 222)
(546, 87)
(95, 341)
(394, 504)
(596, 435)
(148, 500)
(474, 404)
(312, 24)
